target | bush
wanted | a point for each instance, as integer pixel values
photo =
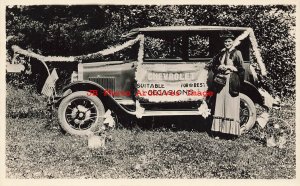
(22, 101)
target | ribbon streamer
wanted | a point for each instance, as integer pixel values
(249, 32)
(104, 52)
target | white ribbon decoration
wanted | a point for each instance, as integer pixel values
(140, 71)
(118, 48)
(204, 110)
(104, 52)
(19, 50)
(141, 38)
(249, 32)
(139, 110)
(238, 40)
(257, 53)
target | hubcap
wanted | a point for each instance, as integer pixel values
(81, 114)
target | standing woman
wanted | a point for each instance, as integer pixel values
(227, 66)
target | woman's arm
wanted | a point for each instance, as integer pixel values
(239, 65)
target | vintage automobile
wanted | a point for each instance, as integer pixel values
(166, 75)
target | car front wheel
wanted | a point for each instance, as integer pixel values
(81, 114)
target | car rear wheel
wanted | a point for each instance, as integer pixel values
(247, 113)
(80, 114)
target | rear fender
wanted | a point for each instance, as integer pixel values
(252, 92)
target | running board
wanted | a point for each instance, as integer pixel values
(158, 112)
(170, 113)
(125, 102)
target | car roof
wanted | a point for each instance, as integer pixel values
(183, 29)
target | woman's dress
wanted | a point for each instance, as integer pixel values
(226, 117)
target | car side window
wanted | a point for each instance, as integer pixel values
(198, 46)
(163, 48)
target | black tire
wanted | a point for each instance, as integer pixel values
(80, 114)
(247, 113)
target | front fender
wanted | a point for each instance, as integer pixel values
(83, 85)
(108, 101)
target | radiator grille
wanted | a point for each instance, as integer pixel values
(109, 83)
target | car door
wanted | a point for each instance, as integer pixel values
(167, 74)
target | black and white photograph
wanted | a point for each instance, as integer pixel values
(143, 91)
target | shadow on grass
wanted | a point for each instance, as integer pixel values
(170, 123)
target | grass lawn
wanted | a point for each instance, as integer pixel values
(35, 152)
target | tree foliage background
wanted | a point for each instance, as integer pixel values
(83, 29)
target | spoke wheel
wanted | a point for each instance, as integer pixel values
(247, 113)
(80, 114)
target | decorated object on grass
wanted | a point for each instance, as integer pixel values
(99, 138)
(276, 132)
(95, 142)
(109, 120)
(263, 119)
